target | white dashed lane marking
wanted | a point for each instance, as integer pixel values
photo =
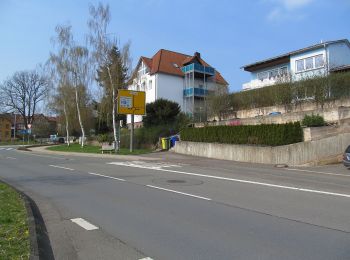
(105, 176)
(61, 167)
(178, 192)
(84, 224)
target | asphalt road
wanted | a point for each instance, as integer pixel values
(168, 206)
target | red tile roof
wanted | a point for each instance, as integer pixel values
(170, 62)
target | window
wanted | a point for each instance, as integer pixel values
(300, 65)
(273, 74)
(319, 61)
(284, 71)
(149, 84)
(263, 75)
(309, 63)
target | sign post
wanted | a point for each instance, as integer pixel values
(29, 131)
(131, 103)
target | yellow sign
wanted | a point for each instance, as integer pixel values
(131, 102)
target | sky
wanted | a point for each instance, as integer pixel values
(228, 33)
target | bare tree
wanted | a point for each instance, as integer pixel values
(59, 74)
(23, 92)
(102, 46)
(72, 64)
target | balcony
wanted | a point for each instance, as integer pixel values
(195, 67)
(257, 83)
(198, 92)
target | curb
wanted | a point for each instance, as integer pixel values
(40, 246)
(93, 155)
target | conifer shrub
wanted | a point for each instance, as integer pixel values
(268, 134)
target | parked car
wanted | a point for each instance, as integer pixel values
(275, 113)
(346, 157)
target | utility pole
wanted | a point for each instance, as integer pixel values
(132, 133)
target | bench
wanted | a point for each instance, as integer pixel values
(106, 147)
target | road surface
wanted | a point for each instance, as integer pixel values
(168, 206)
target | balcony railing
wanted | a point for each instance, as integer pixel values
(198, 92)
(195, 67)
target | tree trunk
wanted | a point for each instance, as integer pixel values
(79, 117)
(116, 141)
(67, 122)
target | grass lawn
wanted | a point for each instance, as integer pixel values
(14, 232)
(93, 149)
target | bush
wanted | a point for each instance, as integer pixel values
(313, 120)
(318, 89)
(104, 138)
(147, 137)
(273, 135)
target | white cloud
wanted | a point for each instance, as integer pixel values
(295, 4)
(286, 9)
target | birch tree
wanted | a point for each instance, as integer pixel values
(73, 63)
(103, 45)
(59, 74)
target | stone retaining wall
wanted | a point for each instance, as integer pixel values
(293, 154)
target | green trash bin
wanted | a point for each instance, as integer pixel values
(165, 143)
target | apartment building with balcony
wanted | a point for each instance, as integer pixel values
(316, 60)
(185, 79)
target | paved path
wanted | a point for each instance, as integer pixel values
(168, 206)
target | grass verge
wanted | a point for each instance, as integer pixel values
(93, 149)
(14, 231)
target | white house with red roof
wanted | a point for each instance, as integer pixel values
(185, 79)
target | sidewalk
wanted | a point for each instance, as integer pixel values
(43, 150)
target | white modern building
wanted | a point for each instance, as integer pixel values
(178, 77)
(315, 60)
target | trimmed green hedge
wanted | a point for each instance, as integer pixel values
(273, 135)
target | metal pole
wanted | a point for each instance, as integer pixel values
(14, 130)
(132, 133)
(119, 125)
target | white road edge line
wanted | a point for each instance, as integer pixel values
(61, 167)
(326, 173)
(84, 224)
(48, 156)
(146, 258)
(251, 182)
(178, 192)
(106, 176)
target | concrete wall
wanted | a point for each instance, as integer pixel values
(305, 106)
(294, 154)
(331, 115)
(316, 133)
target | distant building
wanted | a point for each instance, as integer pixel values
(315, 60)
(178, 77)
(42, 126)
(5, 128)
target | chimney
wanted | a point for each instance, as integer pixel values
(197, 54)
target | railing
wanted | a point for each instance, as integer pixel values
(198, 68)
(188, 92)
